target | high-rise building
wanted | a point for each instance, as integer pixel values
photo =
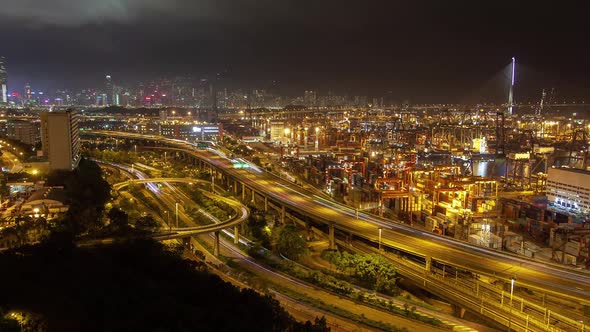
(60, 139)
(27, 92)
(25, 131)
(110, 91)
(309, 98)
(3, 80)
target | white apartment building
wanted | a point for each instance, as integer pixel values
(60, 139)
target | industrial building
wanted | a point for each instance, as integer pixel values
(189, 131)
(569, 189)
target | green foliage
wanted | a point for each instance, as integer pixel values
(27, 230)
(27, 149)
(147, 222)
(118, 217)
(197, 216)
(4, 190)
(140, 196)
(340, 311)
(216, 208)
(113, 156)
(86, 191)
(131, 286)
(256, 228)
(8, 325)
(290, 242)
(372, 271)
(203, 175)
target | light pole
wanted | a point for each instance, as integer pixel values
(176, 207)
(168, 220)
(512, 290)
(380, 231)
(212, 183)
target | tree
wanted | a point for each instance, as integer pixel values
(290, 242)
(118, 218)
(256, 227)
(86, 192)
(143, 287)
(4, 190)
(372, 270)
(147, 222)
(256, 161)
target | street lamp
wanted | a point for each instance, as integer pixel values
(512, 289)
(176, 207)
(380, 231)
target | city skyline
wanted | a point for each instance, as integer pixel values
(423, 52)
(288, 165)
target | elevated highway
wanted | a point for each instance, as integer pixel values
(242, 212)
(433, 250)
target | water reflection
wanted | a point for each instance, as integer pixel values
(493, 168)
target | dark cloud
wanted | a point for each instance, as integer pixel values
(81, 12)
(430, 50)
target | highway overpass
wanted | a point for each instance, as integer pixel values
(433, 250)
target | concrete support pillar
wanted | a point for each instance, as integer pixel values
(243, 192)
(186, 242)
(265, 204)
(331, 237)
(283, 212)
(459, 311)
(253, 197)
(428, 264)
(235, 187)
(236, 235)
(216, 244)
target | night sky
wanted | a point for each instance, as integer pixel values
(423, 51)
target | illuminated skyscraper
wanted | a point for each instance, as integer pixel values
(110, 91)
(309, 98)
(3, 80)
(27, 92)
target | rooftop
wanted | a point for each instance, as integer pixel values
(575, 170)
(49, 193)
